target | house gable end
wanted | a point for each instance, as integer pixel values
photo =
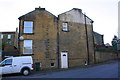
(75, 15)
(33, 13)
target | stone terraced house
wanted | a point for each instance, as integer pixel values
(9, 43)
(56, 42)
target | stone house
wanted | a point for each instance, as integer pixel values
(98, 39)
(75, 38)
(38, 38)
(9, 43)
(56, 42)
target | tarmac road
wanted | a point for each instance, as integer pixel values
(103, 70)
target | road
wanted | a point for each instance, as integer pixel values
(103, 70)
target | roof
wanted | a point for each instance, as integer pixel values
(21, 17)
(7, 32)
(97, 33)
(41, 9)
(78, 10)
(71, 10)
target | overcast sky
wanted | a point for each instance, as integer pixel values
(104, 13)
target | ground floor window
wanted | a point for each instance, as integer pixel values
(52, 64)
(27, 47)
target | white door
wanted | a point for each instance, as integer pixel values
(7, 66)
(7, 69)
(64, 59)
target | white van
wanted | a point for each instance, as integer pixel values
(21, 64)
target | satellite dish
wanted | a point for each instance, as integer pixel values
(21, 38)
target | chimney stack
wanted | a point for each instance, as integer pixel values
(39, 8)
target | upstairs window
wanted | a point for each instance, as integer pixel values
(1, 36)
(28, 26)
(65, 26)
(9, 36)
(27, 47)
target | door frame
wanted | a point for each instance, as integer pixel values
(63, 63)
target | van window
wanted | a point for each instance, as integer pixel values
(7, 62)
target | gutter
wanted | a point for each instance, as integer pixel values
(18, 38)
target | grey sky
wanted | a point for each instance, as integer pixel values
(104, 13)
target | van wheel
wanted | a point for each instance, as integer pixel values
(25, 72)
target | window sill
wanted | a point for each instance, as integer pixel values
(28, 33)
(65, 31)
(27, 54)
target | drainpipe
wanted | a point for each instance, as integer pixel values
(93, 42)
(86, 38)
(58, 42)
(19, 37)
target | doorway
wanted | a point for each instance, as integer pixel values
(37, 66)
(64, 59)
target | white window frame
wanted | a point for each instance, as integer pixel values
(9, 36)
(65, 26)
(28, 26)
(29, 45)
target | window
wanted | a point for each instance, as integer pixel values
(1, 36)
(9, 42)
(27, 47)
(9, 36)
(52, 64)
(7, 62)
(28, 26)
(65, 26)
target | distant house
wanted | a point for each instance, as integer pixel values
(116, 43)
(107, 45)
(56, 42)
(7, 37)
(98, 39)
(9, 43)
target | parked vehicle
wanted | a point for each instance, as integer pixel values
(21, 64)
